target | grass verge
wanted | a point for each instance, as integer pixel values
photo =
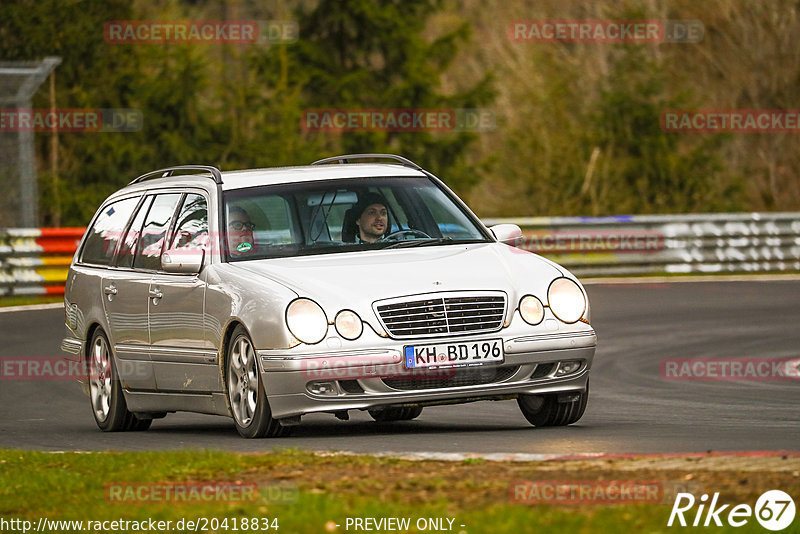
(312, 493)
(25, 300)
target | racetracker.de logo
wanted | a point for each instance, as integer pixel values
(200, 31)
(70, 120)
(606, 31)
(731, 121)
(357, 367)
(593, 241)
(62, 368)
(42, 368)
(397, 120)
(198, 492)
(585, 491)
(724, 369)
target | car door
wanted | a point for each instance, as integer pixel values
(124, 294)
(182, 359)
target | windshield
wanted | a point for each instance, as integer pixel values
(342, 216)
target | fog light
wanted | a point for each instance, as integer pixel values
(348, 324)
(327, 387)
(531, 310)
(567, 368)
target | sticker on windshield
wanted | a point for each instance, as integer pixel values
(243, 247)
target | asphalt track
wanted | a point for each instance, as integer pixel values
(631, 408)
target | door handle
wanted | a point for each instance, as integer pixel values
(156, 293)
(110, 290)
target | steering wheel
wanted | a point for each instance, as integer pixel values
(400, 235)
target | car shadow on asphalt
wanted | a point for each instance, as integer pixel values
(346, 429)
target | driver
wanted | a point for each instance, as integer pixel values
(372, 218)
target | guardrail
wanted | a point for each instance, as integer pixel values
(35, 261)
(648, 244)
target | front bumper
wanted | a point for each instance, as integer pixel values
(370, 378)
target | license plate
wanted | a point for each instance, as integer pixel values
(441, 355)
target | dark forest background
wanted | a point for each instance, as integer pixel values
(577, 125)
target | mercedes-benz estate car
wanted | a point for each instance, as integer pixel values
(268, 294)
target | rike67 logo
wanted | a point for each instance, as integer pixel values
(774, 510)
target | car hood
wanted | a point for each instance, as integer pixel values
(354, 280)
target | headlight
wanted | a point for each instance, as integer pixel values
(531, 310)
(566, 300)
(306, 321)
(348, 324)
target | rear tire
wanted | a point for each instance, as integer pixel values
(403, 413)
(105, 390)
(545, 410)
(248, 401)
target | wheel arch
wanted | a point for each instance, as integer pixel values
(223, 357)
(89, 335)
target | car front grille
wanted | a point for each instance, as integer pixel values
(443, 315)
(451, 378)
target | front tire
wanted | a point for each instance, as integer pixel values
(545, 410)
(105, 391)
(248, 402)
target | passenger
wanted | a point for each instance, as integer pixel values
(241, 241)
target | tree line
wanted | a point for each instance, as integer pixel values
(575, 126)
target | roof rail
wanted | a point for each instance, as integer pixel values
(216, 175)
(344, 159)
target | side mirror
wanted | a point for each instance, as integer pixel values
(183, 261)
(510, 234)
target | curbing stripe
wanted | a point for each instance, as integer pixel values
(527, 457)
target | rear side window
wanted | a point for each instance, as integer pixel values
(191, 227)
(156, 224)
(128, 248)
(106, 232)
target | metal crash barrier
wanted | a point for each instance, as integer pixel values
(665, 244)
(34, 261)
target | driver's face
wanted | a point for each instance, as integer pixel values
(373, 222)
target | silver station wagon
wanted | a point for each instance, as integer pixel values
(267, 294)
